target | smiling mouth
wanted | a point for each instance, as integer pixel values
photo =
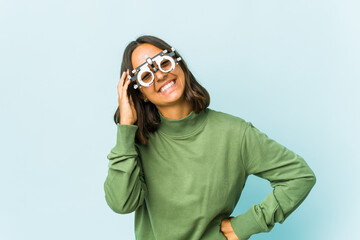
(167, 86)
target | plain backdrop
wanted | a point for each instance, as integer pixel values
(289, 67)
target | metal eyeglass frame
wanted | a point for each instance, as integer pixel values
(149, 61)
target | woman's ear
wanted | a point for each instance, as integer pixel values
(144, 98)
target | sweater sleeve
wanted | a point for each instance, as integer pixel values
(125, 188)
(289, 175)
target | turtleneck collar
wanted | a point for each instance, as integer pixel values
(183, 127)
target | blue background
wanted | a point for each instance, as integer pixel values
(289, 67)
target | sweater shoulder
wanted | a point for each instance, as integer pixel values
(227, 120)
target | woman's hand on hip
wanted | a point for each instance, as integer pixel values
(227, 229)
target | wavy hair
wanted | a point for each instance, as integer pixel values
(148, 119)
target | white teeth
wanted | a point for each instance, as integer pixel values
(167, 86)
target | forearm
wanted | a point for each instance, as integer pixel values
(124, 187)
(289, 175)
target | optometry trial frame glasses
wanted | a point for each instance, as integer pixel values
(165, 62)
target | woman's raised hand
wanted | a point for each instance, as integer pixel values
(126, 106)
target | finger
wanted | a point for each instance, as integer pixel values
(125, 88)
(120, 84)
(122, 79)
(126, 76)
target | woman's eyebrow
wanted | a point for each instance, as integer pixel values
(140, 65)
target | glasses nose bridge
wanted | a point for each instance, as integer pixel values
(159, 75)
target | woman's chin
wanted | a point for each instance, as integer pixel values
(171, 99)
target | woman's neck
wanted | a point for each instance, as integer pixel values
(176, 111)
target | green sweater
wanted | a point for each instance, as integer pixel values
(191, 174)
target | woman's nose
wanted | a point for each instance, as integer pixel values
(159, 75)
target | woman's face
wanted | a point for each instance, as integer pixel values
(172, 95)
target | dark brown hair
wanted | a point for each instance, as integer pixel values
(148, 119)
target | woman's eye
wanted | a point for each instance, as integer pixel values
(146, 76)
(165, 63)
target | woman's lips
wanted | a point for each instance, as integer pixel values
(166, 83)
(169, 89)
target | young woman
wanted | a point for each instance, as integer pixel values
(182, 166)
